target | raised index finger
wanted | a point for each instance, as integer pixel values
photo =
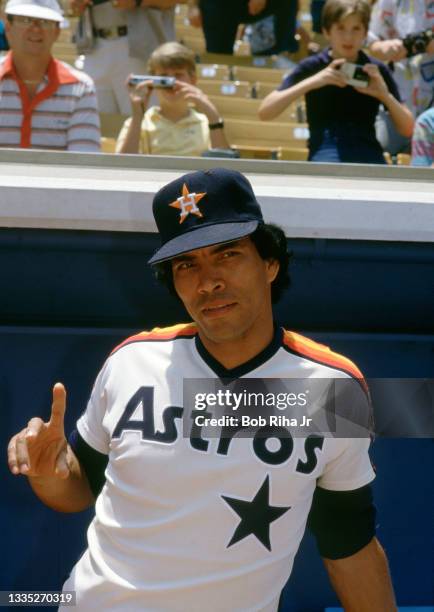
(58, 407)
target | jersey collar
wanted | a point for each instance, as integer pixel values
(246, 367)
(57, 72)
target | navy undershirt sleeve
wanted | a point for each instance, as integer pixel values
(343, 522)
(92, 461)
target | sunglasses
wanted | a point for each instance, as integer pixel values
(45, 24)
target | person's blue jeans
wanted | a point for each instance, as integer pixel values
(344, 145)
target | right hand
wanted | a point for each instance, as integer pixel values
(392, 50)
(330, 75)
(139, 95)
(40, 448)
(77, 6)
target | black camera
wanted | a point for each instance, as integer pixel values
(417, 43)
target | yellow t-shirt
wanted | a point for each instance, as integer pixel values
(161, 136)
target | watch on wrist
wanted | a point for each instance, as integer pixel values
(218, 125)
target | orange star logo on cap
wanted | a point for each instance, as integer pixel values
(187, 203)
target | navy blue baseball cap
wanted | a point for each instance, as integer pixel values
(203, 208)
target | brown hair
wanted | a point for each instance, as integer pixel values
(335, 10)
(172, 55)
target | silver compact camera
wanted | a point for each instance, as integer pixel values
(159, 82)
(355, 75)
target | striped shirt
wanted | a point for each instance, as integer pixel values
(62, 115)
(422, 144)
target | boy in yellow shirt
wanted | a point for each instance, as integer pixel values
(186, 122)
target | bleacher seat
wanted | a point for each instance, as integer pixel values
(215, 87)
(247, 108)
(111, 124)
(218, 72)
(263, 61)
(255, 74)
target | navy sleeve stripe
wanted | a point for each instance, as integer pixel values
(92, 461)
(343, 522)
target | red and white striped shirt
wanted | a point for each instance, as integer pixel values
(63, 114)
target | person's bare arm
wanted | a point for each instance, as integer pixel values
(362, 581)
(391, 50)
(40, 452)
(204, 105)
(377, 88)
(277, 101)
(139, 97)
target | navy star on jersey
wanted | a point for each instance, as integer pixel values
(256, 515)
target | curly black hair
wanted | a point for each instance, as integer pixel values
(270, 242)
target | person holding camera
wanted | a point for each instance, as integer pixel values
(344, 88)
(116, 38)
(401, 34)
(186, 122)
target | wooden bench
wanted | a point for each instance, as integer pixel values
(111, 124)
(247, 108)
(253, 74)
(218, 72)
(235, 89)
(270, 134)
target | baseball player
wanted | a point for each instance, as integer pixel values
(190, 522)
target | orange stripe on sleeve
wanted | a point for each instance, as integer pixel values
(181, 330)
(322, 354)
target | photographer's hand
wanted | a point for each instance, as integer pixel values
(139, 96)
(277, 101)
(392, 50)
(377, 87)
(329, 76)
(203, 105)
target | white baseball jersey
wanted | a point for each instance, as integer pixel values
(187, 524)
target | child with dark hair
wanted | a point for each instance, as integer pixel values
(341, 116)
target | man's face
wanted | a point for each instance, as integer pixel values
(31, 37)
(226, 289)
(346, 37)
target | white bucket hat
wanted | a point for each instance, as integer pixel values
(39, 9)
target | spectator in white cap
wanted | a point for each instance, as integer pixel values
(44, 103)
